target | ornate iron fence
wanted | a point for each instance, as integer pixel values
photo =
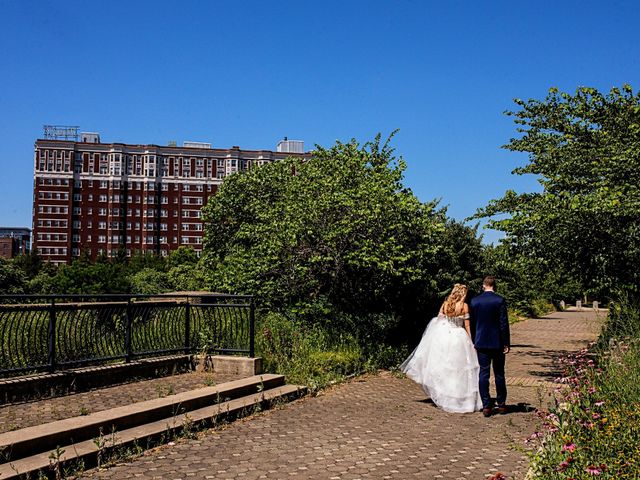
(46, 333)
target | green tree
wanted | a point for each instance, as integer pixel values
(12, 279)
(585, 223)
(187, 277)
(140, 261)
(337, 232)
(182, 256)
(149, 281)
(30, 263)
(81, 277)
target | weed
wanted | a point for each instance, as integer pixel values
(55, 462)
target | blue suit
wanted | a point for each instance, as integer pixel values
(490, 324)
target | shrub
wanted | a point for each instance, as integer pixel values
(306, 354)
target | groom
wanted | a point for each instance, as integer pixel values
(491, 324)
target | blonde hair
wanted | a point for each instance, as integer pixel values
(453, 306)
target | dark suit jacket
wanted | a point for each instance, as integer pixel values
(490, 321)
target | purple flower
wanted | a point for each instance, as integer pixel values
(593, 470)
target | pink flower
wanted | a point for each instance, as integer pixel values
(569, 447)
(593, 470)
(599, 404)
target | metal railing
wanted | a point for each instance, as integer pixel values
(52, 332)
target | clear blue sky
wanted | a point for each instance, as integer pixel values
(248, 73)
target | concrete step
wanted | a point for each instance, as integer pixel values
(40, 438)
(88, 453)
(142, 436)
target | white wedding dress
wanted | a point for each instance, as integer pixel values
(445, 364)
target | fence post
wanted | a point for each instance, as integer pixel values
(252, 329)
(127, 333)
(52, 336)
(187, 328)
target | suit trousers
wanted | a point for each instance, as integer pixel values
(486, 358)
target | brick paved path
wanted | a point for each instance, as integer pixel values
(27, 414)
(376, 427)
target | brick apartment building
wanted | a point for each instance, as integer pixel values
(101, 198)
(14, 241)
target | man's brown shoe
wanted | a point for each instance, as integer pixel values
(502, 409)
(486, 412)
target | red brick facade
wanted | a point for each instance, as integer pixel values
(101, 198)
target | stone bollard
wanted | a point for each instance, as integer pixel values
(579, 304)
(596, 305)
(562, 305)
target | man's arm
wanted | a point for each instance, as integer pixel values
(504, 326)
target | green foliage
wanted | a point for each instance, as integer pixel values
(142, 274)
(306, 354)
(12, 279)
(149, 281)
(140, 261)
(81, 277)
(530, 290)
(30, 263)
(585, 224)
(182, 256)
(187, 277)
(623, 319)
(335, 234)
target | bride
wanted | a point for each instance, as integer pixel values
(445, 363)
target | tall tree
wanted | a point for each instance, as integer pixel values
(340, 228)
(585, 224)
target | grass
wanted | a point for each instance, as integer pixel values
(318, 356)
(305, 354)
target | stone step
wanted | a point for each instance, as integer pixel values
(88, 453)
(46, 437)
